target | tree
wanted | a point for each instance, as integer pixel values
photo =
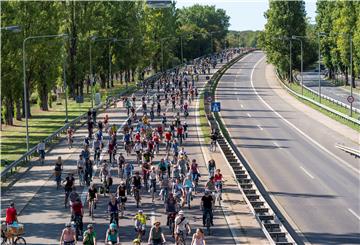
(284, 19)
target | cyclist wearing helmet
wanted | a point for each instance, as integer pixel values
(140, 221)
(112, 235)
(182, 226)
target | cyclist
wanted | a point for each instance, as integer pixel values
(113, 209)
(88, 171)
(89, 236)
(175, 148)
(211, 167)
(112, 235)
(69, 186)
(194, 170)
(182, 226)
(168, 136)
(170, 206)
(85, 152)
(164, 187)
(214, 136)
(80, 164)
(136, 180)
(97, 150)
(218, 179)
(186, 128)
(127, 142)
(70, 133)
(207, 202)
(92, 197)
(152, 177)
(90, 126)
(162, 168)
(121, 194)
(178, 191)
(11, 214)
(156, 236)
(121, 165)
(58, 169)
(140, 222)
(77, 213)
(41, 151)
(198, 237)
(189, 186)
(68, 235)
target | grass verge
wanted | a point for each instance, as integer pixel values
(297, 88)
(204, 125)
(42, 124)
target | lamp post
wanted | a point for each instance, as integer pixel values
(319, 35)
(24, 75)
(302, 61)
(14, 29)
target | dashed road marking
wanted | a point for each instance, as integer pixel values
(306, 172)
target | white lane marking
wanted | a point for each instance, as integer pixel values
(303, 169)
(260, 127)
(249, 115)
(296, 128)
(277, 145)
(241, 104)
(351, 211)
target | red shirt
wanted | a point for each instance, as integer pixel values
(10, 215)
(76, 207)
(156, 138)
(179, 130)
(159, 129)
(137, 137)
(218, 177)
(168, 136)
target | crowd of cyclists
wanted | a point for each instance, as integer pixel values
(149, 157)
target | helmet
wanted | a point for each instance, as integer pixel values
(181, 212)
(207, 192)
(90, 226)
(140, 211)
(68, 225)
(112, 226)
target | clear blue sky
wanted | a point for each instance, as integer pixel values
(245, 14)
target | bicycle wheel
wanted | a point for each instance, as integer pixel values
(20, 240)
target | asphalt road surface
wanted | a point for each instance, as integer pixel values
(311, 80)
(316, 186)
(42, 205)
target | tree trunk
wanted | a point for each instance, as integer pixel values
(81, 87)
(102, 80)
(43, 94)
(9, 111)
(133, 75)
(18, 109)
(50, 100)
(87, 85)
(121, 78)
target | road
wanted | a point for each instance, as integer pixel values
(43, 212)
(292, 150)
(311, 80)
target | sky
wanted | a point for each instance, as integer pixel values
(245, 14)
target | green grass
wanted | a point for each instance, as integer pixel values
(297, 88)
(205, 128)
(42, 124)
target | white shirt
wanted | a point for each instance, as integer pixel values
(138, 147)
(181, 226)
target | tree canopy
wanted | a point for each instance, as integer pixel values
(127, 36)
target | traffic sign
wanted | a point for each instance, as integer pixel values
(209, 99)
(350, 99)
(215, 106)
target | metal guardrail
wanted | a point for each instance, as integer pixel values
(349, 150)
(270, 223)
(342, 115)
(329, 98)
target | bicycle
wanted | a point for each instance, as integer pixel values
(137, 196)
(171, 223)
(91, 208)
(213, 145)
(78, 226)
(114, 218)
(208, 222)
(6, 239)
(70, 141)
(181, 239)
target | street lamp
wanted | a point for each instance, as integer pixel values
(299, 38)
(14, 29)
(24, 74)
(319, 35)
